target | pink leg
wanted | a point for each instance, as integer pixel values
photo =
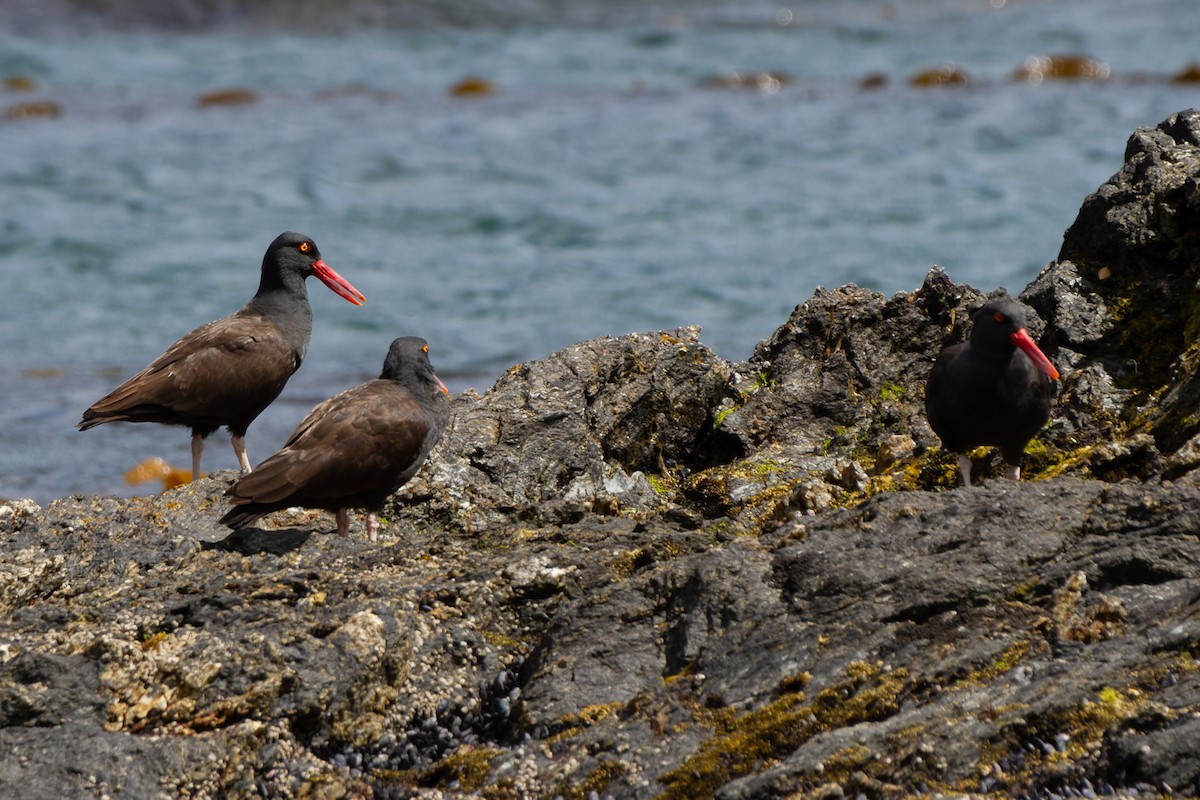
(239, 450)
(197, 449)
(343, 521)
(372, 526)
(964, 467)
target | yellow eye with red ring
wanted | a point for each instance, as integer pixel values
(305, 247)
(999, 317)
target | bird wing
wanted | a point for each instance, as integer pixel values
(363, 441)
(215, 371)
(936, 409)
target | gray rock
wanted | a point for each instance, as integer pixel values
(638, 403)
(634, 569)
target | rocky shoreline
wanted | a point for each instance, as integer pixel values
(634, 569)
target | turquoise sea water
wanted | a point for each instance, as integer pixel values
(604, 186)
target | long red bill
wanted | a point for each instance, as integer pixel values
(1021, 339)
(441, 385)
(337, 283)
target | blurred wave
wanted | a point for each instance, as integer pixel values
(619, 166)
(332, 16)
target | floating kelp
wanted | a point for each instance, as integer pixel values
(227, 97)
(876, 80)
(1189, 74)
(940, 76)
(473, 87)
(1062, 68)
(155, 469)
(19, 83)
(35, 109)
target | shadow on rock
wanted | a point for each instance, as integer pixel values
(252, 541)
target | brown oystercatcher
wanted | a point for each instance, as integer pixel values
(228, 371)
(354, 449)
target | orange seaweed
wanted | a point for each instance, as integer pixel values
(155, 469)
(19, 83)
(1189, 74)
(36, 109)
(940, 76)
(227, 97)
(473, 87)
(1061, 68)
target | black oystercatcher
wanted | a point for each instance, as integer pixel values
(993, 389)
(354, 449)
(228, 371)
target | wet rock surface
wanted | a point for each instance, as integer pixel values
(634, 569)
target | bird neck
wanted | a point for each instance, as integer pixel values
(285, 283)
(415, 381)
(992, 352)
(282, 294)
(285, 302)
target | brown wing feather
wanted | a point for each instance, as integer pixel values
(222, 372)
(364, 441)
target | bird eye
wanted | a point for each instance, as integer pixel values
(305, 247)
(424, 348)
(999, 317)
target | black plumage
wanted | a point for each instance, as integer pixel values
(993, 389)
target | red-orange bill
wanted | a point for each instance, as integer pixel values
(337, 283)
(1021, 339)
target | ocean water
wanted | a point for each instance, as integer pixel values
(608, 183)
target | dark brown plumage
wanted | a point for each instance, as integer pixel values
(356, 448)
(993, 389)
(228, 371)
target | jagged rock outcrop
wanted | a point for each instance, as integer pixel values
(582, 427)
(634, 569)
(1123, 296)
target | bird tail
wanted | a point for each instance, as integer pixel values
(257, 493)
(241, 516)
(98, 415)
(90, 420)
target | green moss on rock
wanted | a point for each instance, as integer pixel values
(765, 735)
